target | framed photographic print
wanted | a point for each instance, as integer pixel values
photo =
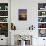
(41, 6)
(4, 29)
(41, 25)
(3, 19)
(42, 32)
(22, 13)
(3, 13)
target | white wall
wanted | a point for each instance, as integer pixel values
(31, 7)
(32, 14)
